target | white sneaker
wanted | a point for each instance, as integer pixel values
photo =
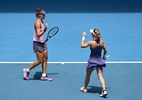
(25, 74)
(83, 90)
(45, 78)
(103, 94)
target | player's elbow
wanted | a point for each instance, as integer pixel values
(38, 35)
(82, 46)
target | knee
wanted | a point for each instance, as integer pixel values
(40, 61)
(45, 59)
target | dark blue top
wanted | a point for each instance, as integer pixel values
(96, 52)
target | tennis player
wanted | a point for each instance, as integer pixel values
(96, 61)
(39, 46)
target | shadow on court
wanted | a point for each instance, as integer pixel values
(94, 89)
(123, 83)
(38, 75)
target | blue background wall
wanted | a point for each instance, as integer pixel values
(118, 22)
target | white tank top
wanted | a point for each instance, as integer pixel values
(41, 38)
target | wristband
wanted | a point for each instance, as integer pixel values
(83, 38)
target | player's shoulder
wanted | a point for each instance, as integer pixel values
(91, 41)
(102, 41)
(37, 23)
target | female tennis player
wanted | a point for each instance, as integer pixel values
(39, 46)
(95, 62)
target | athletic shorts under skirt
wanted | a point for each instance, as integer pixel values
(38, 46)
(93, 63)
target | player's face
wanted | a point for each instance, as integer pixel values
(42, 16)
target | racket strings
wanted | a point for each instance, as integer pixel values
(53, 32)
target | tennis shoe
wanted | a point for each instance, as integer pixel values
(26, 74)
(103, 94)
(83, 90)
(45, 78)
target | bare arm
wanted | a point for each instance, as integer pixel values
(105, 51)
(83, 44)
(37, 26)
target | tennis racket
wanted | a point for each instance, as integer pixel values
(107, 56)
(52, 32)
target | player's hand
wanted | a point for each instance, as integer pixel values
(46, 26)
(104, 57)
(84, 34)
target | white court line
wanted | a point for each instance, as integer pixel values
(111, 62)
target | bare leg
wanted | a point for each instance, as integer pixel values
(44, 67)
(100, 76)
(44, 63)
(33, 65)
(38, 61)
(87, 78)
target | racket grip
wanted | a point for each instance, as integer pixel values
(46, 40)
(45, 29)
(104, 57)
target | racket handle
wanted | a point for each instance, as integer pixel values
(46, 40)
(45, 29)
(107, 56)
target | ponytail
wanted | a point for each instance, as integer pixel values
(37, 12)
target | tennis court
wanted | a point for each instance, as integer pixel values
(120, 27)
(123, 82)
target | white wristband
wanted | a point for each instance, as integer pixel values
(83, 38)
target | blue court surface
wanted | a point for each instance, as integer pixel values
(120, 24)
(120, 31)
(123, 82)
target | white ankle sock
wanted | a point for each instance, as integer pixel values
(27, 70)
(43, 74)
